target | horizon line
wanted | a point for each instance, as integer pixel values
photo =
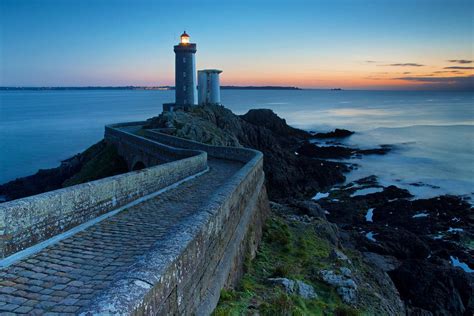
(225, 87)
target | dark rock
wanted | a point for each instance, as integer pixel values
(337, 133)
(370, 180)
(440, 289)
(338, 152)
(333, 152)
(328, 231)
(389, 193)
(399, 243)
(384, 263)
(59, 177)
(338, 255)
(309, 208)
(268, 119)
(384, 149)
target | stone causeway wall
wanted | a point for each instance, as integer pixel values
(184, 273)
(207, 255)
(135, 148)
(222, 152)
(28, 221)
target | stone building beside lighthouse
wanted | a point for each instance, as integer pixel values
(186, 87)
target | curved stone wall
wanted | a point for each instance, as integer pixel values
(27, 221)
(208, 250)
(135, 148)
(231, 153)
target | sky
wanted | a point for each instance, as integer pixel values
(350, 44)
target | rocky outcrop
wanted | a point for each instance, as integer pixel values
(337, 133)
(414, 240)
(434, 288)
(287, 173)
(98, 161)
(338, 152)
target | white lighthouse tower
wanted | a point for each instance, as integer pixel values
(209, 87)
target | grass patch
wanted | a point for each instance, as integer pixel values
(290, 250)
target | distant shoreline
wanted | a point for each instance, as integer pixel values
(144, 88)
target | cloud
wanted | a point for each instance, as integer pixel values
(370, 61)
(405, 65)
(460, 61)
(459, 82)
(458, 67)
(446, 71)
(407, 73)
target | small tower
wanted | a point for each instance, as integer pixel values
(209, 86)
(185, 72)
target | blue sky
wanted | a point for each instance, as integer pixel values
(319, 44)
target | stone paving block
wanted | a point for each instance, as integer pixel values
(44, 304)
(23, 309)
(32, 296)
(32, 282)
(35, 289)
(30, 303)
(7, 283)
(71, 309)
(75, 283)
(56, 299)
(9, 307)
(59, 287)
(12, 299)
(46, 291)
(7, 289)
(69, 301)
(36, 312)
(60, 293)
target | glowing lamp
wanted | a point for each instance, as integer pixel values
(184, 38)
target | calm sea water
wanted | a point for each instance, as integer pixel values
(433, 132)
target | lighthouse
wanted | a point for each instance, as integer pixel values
(186, 90)
(185, 72)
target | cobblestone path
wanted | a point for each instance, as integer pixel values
(65, 276)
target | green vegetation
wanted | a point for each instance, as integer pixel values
(291, 250)
(104, 162)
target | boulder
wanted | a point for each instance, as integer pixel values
(338, 255)
(440, 289)
(345, 286)
(384, 263)
(337, 133)
(309, 208)
(297, 287)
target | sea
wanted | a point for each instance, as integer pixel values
(432, 132)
